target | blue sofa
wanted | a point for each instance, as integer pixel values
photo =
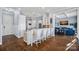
(64, 31)
(69, 32)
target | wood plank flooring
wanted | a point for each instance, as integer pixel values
(12, 43)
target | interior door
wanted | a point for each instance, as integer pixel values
(7, 24)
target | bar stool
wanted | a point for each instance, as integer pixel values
(43, 35)
(39, 37)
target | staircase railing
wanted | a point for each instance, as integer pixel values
(69, 45)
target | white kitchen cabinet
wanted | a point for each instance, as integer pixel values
(21, 25)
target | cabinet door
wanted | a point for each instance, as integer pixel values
(21, 25)
(7, 24)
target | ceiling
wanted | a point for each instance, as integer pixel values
(38, 11)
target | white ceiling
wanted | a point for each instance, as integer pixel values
(37, 11)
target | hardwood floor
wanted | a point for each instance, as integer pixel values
(12, 43)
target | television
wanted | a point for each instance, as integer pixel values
(64, 22)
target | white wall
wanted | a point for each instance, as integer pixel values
(0, 27)
(71, 20)
(78, 22)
